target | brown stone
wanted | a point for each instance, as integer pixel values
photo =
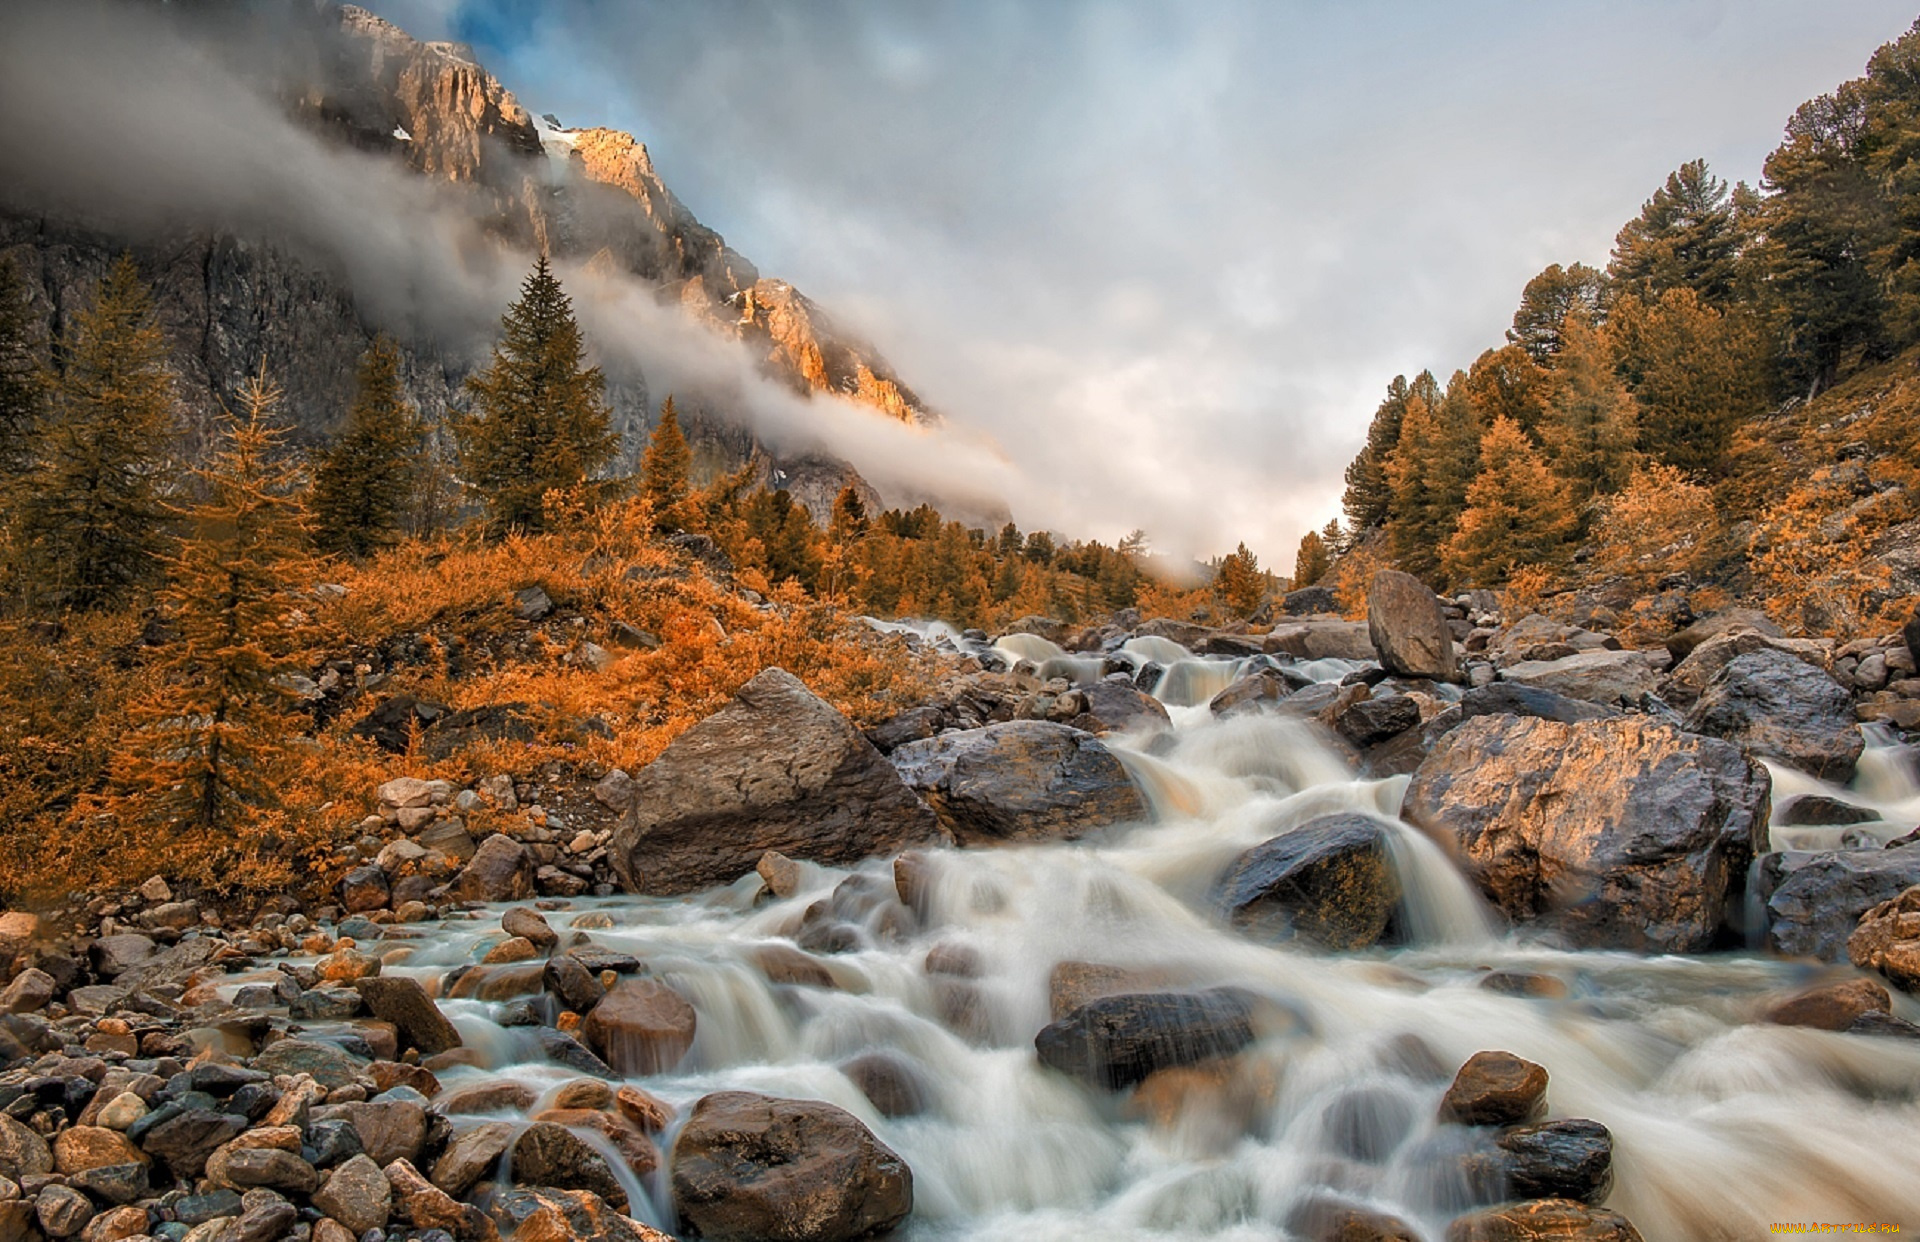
(1887, 939)
(779, 873)
(500, 1095)
(421, 1204)
(546, 1154)
(1830, 1007)
(389, 1130)
(750, 1166)
(776, 769)
(472, 1156)
(783, 964)
(1543, 1220)
(1329, 1220)
(1407, 628)
(643, 1109)
(404, 1002)
(590, 1093)
(641, 1027)
(890, 1083)
(22, 1152)
(531, 926)
(501, 869)
(1072, 984)
(512, 949)
(1496, 1089)
(79, 1148)
(636, 1149)
(390, 1074)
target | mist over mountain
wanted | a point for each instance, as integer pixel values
(298, 178)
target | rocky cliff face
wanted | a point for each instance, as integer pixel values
(592, 195)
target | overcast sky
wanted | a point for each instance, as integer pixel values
(1170, 254)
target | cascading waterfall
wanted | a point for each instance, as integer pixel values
(1721, 1126)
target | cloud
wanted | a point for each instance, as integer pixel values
(1171, 255)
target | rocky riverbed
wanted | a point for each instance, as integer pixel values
(1440, 925)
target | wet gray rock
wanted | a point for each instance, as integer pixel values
(1495, 1089)
(1609, 678)
(1117, 1041)
(571, 983)
(1114, 706)
(1779, 706)
(1614, 833)
(777, 768)
(1374, 720)
(751, 1168)
(1812, 901)
(1261, 688)
(1330, 880)
(1023, 780)
(1570, 1159)
(546, 1154)
(357, 1195)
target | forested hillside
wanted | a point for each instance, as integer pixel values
(1725, 405)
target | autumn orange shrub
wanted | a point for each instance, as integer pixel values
(1814, 562)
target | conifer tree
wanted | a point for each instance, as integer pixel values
(1548, 300)
(1685, 237)
(666, 468)
(364, 485)
(1334, 539)
(23, 378)
(1239, 582)
(1695, 373)
(94, 514)
(1589, 428)
(541, 421)
(1429, 474)
(1518, 513)
(1508, 383)
(1311, 561)
(206, 754)
(848, 522)
(1369, 496)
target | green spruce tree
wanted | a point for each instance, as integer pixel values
(1590, 426)
(1518, 513)
(1311, 561)
(540, 421)
(365, 486)
(94, 515)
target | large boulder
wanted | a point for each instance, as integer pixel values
(1688, 679)
(1407, 628)
(1543, 1220)
(752, 1168)
(1024, 780)
(1605, 677)
(1112, 705)
(1615, 833)
(776, 769)
(1812, 902)
(1778, 705)
(1117, 1041)
(1331, 881)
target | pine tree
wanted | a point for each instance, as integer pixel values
(1429, 474)
(1685, 237)
(365, 485)
(1311, 561)
(1239, 582)
(94, 516)
(1369, 495)
(848, 522)
(1589, 429)
(207, 753)
(1508, 383)
(541, 421)
(666, 467)
(1335, 540)
(1695, 373)
(1547, 301)
(23, 378)
(1518, 513)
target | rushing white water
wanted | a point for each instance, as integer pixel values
(1885, 785)
(1721, 1126)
